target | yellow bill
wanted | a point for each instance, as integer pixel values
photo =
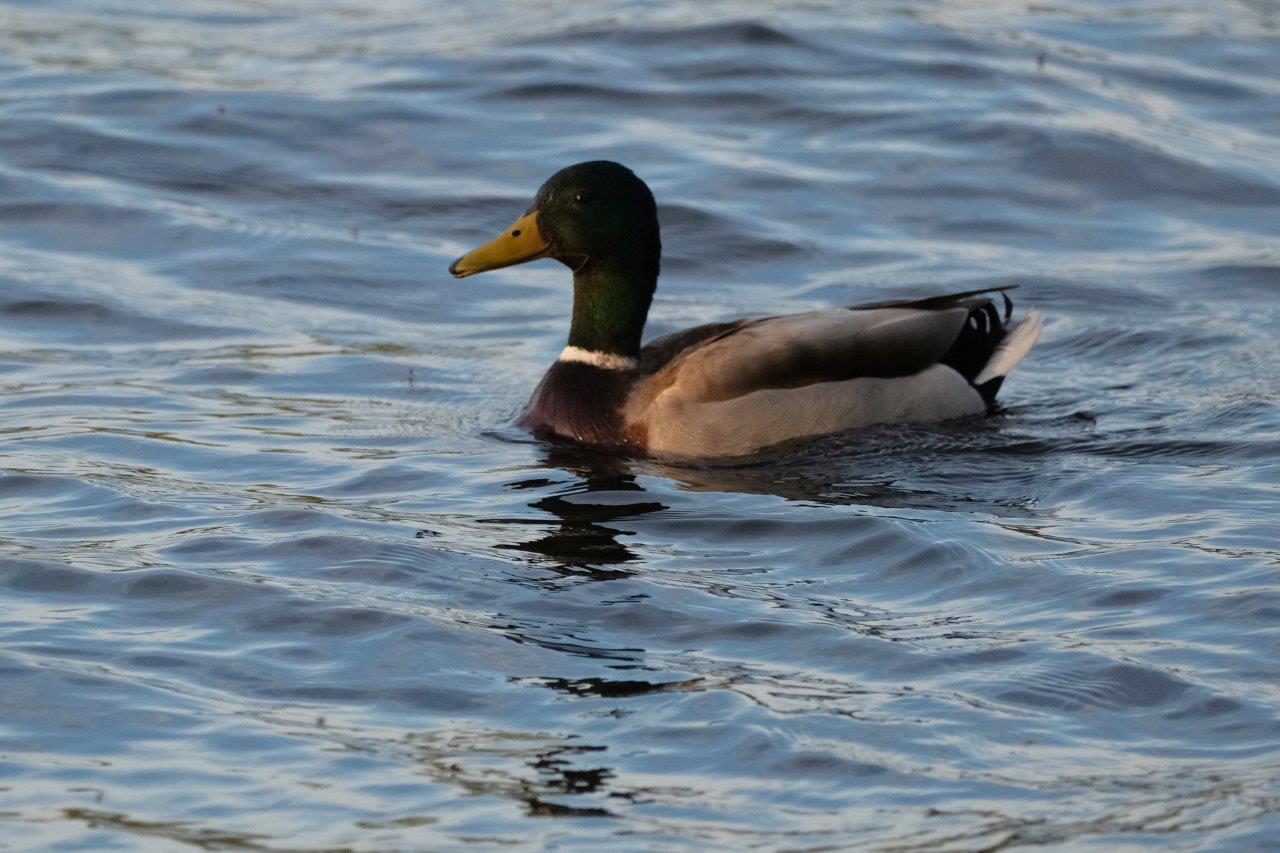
(519, 243)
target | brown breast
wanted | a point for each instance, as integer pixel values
(583, 403)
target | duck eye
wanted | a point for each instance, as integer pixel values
(582, 197)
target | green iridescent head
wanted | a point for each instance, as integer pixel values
(600, 220)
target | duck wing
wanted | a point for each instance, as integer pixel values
(879, 339)
(659, 352)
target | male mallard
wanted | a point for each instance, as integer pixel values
(729, 388)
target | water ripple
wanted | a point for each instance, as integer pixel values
(279, 574)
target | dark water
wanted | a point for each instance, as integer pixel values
(276, 571)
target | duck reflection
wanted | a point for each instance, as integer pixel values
(583, 544)
(525, 767)
(949, 467)
(943, 469)
(813, 473)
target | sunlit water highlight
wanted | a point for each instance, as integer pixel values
(277, 572)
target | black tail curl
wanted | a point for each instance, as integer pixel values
(981, 334)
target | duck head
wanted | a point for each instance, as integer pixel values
(600, 220)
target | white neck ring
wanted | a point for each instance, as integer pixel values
(606, 360)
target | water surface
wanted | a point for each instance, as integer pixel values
(277, 572)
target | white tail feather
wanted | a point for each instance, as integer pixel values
(1016, 344)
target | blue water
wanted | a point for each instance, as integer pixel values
(277, 572)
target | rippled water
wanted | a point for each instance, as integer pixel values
(277, 572)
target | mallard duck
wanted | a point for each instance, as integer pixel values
(730, 388)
